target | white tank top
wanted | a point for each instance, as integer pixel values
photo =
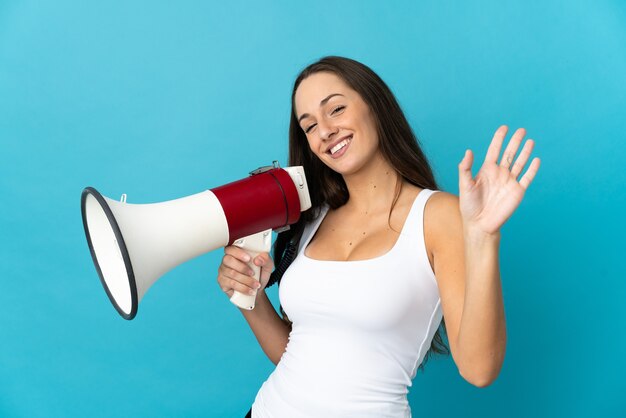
(360, 330)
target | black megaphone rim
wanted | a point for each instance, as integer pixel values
(122, 245)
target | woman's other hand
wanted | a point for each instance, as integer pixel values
(487, 201)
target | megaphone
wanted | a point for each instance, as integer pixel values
(133, 245)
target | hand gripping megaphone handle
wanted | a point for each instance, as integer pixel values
(254, 245)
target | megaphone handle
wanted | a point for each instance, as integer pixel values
(253, 245)
(242, 300)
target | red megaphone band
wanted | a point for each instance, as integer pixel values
(275, 188)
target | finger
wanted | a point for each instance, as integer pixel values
(522, 159)
(237, 252)
(243, 288)
(512, 147)
(496, 145)
(233, 263)
(465, 170)
(227, 276)
(530, 173)
(238, 282)
(226, 273)
(265, 261)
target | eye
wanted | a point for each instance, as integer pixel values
(307, 130)
(338, 109)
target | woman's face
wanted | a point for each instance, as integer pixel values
(337, 123)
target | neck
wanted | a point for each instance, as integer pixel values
(372, 188)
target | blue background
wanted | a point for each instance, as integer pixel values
(160, 100)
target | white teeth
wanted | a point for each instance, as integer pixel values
(339, 146)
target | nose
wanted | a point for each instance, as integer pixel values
(326, 130)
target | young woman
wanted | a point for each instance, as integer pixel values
(383, 261)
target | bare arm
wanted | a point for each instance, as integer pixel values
(486, 202)
(270, 330)
(466, 254)
(482, 329)
(467, 273)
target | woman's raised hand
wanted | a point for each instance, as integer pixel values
(235, 273)
(488, 200)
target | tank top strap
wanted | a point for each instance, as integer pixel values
(415, 219)
(412, 235)
(311, 228)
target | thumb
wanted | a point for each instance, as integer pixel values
(465, 171)
(266, 263)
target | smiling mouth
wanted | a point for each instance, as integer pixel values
(340, 145)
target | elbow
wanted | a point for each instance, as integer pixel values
(481, 379)
(484, 371)
(483, 376)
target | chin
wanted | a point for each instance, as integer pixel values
(345, 168)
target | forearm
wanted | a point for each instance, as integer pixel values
(482, 331)
(270, 330)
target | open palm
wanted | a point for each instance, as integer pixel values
(489, 199)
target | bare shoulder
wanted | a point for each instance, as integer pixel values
(443, 227)
(443, 208)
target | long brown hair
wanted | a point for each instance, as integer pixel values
(397, 143)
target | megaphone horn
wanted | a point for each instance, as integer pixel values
(132, 245)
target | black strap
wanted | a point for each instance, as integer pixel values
(288, 256)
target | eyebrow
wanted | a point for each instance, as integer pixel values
(322, 103)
